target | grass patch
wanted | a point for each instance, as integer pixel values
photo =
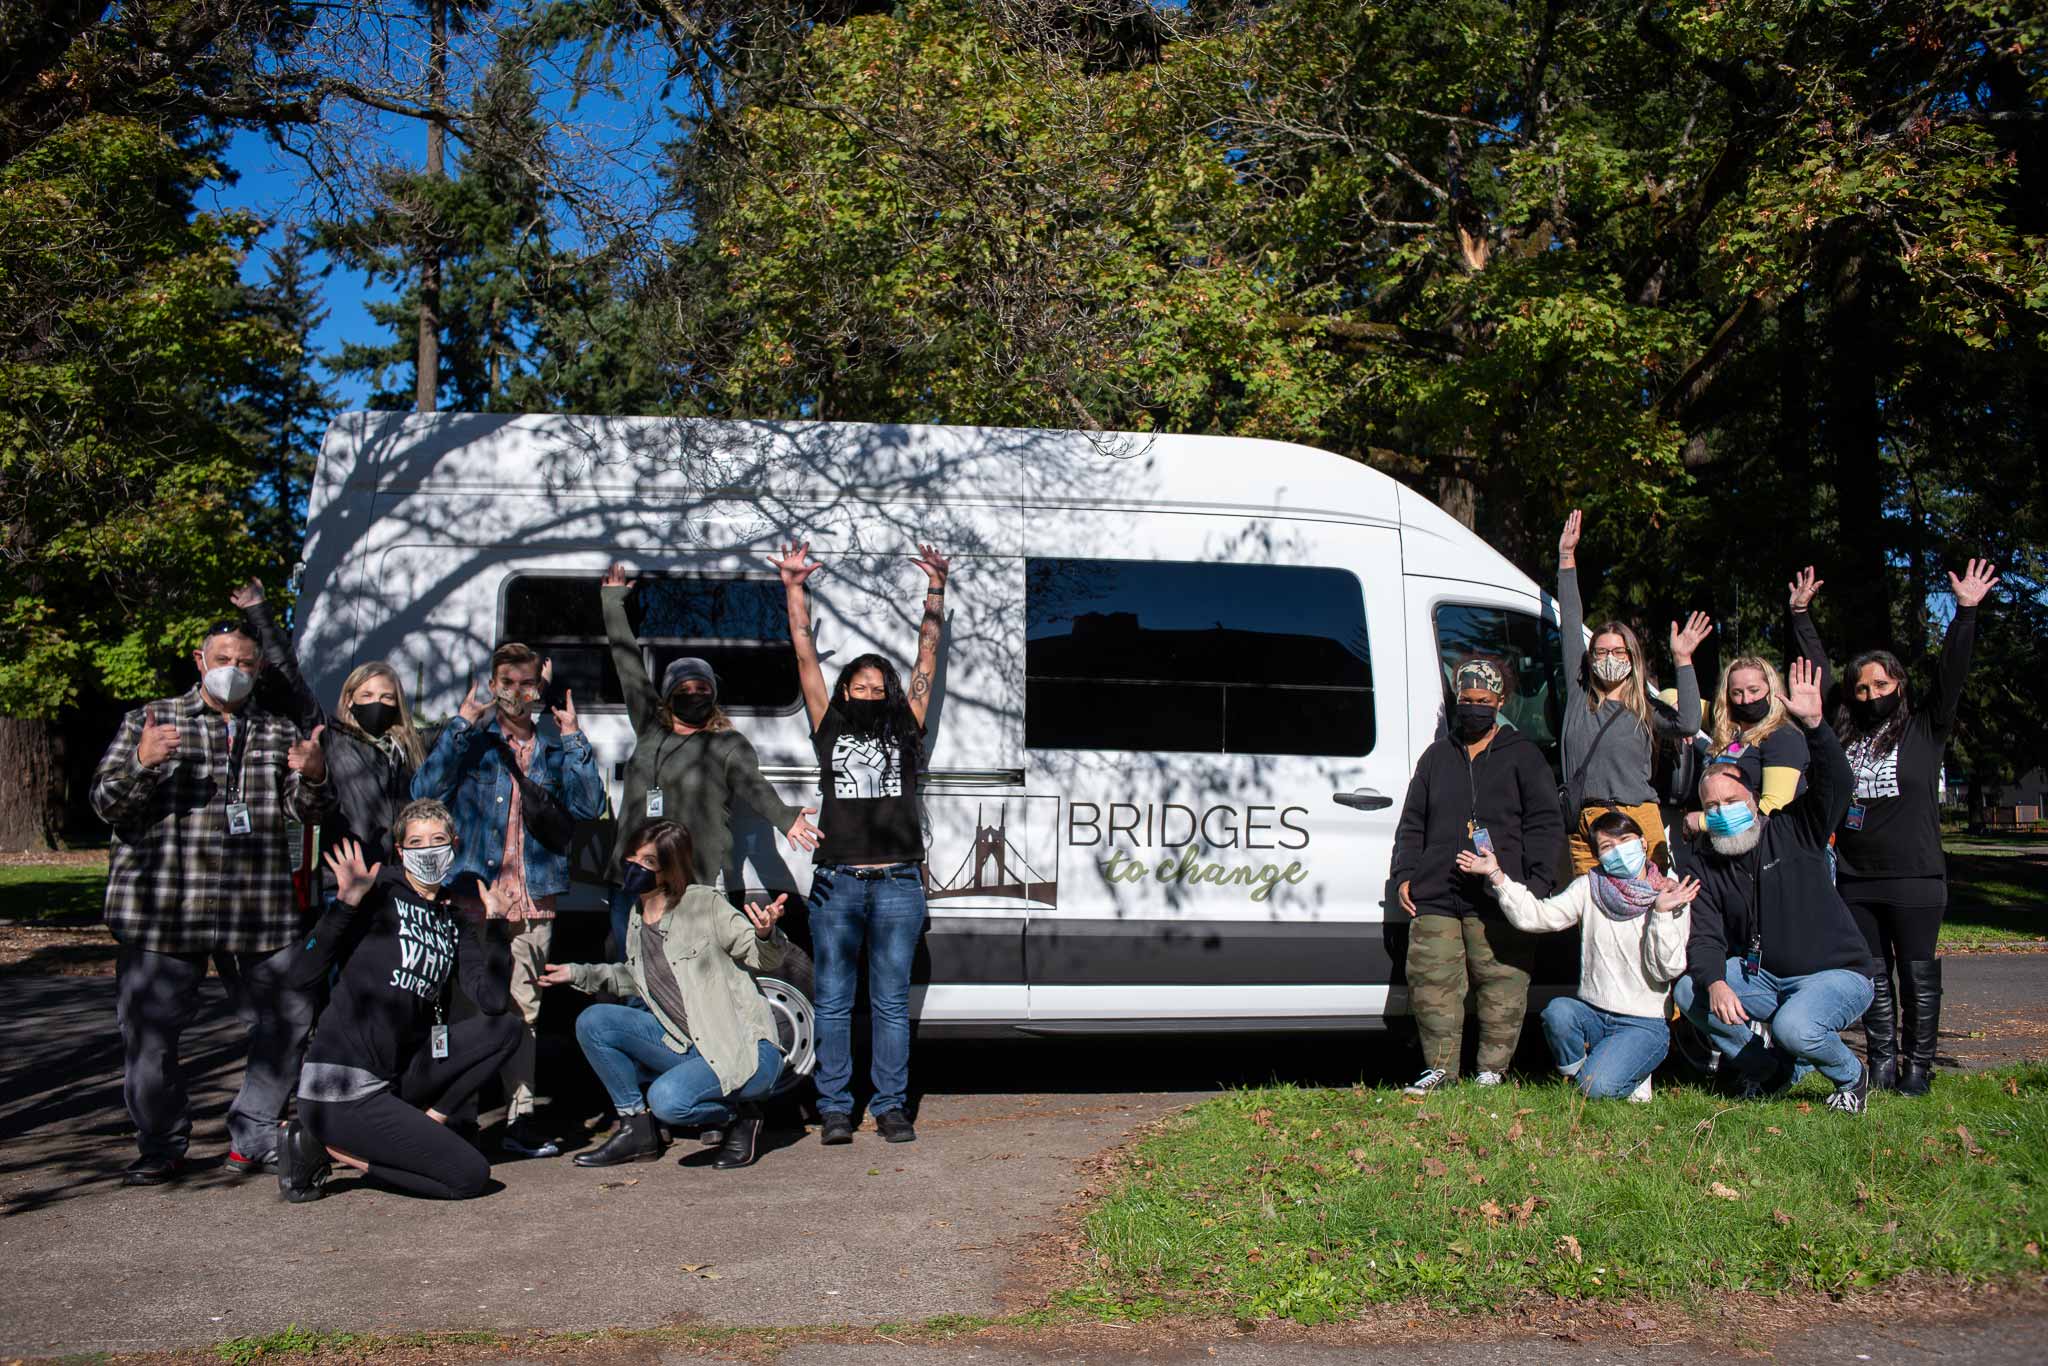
(1995, 897)
(53, 893)
(1310, 1205)
(289, 1341)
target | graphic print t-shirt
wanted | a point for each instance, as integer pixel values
(397, 952)
(869, 811)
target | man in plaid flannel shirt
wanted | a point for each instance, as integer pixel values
(198, 789)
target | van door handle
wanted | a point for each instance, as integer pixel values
(1364, 799)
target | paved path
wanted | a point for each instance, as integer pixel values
(862, 1235)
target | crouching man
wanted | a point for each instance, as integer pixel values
(1771, 938)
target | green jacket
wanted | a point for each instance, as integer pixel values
(710, 944)
(699, 774)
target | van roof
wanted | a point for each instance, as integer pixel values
(565, 458)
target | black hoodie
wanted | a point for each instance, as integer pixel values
(1510, 790)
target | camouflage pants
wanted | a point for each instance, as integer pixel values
(1446, 954)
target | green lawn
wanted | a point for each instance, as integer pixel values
(1310, 1205)
(1996, 896)
(54, 893)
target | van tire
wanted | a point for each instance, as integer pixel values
(790, 989)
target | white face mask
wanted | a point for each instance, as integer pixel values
(1612, 668)
(429, 864)
(228, 684)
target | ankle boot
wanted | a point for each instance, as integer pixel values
(633, 1141)
(742, 1139)
(1881, 1033)
(1920, 993)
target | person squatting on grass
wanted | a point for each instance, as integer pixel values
(198, 789)
(1891, 870)
(700, 1051)
(387, 1066)
(1633, 926)
(1772, 939)
(1611, 721)
(1484, 787)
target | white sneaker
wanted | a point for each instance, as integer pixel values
(1641, 1095)
(1490, 1079)
(1427, 1082)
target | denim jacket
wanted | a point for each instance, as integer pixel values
(474, 777)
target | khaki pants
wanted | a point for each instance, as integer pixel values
(1649, 815)
(1448, 955)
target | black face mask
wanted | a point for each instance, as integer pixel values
(374, 717)
(1875, 711)
(1749, 713)
(864, 714)
(693, 708)
(636, 879)
(1470, 720)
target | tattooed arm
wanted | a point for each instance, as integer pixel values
(796, 565)
(936, 567)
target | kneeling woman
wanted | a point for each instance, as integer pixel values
(385, 1068)
(701, 1051)
(1634, 923)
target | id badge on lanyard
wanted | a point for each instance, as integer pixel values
(239, 820)
(437, 1037)
(1854, 820)
(1754, 959)
(654, 802)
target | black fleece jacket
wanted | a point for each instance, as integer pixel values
(1780, 890)
(1510, 790)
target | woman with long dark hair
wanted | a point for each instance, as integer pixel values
(1611, 722)
(1889, 863)
(867, 888)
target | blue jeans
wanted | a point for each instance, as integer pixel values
(1806, 1015)
(887, 913)
(628, 1049)
(1607, 1054)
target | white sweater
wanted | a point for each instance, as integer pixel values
(1626, 966)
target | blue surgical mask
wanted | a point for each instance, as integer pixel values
(1729, 818)
(1625, 859)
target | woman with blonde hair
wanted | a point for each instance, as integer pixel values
(1611, 722)
(1753, 732)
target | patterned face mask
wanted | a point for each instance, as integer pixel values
(1612, 668)
(429, 864)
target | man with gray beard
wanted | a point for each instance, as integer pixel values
(1771, 938)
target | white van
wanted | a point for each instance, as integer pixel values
(1184, 679)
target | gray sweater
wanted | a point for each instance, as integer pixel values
(1621, 766)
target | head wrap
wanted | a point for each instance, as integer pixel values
(1482, 674)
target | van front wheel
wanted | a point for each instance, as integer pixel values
(788, 991)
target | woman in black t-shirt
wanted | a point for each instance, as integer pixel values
(867, 887)
(1889, 863)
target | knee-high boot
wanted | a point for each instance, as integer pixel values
(1920, 990)
(1881, 1032)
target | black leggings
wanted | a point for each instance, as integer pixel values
(390, 1130)
(1898, 934)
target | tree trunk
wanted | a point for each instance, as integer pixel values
(32, 798)
(1795, 418)
(1852, 431)
(429, 364)
(1457, 495)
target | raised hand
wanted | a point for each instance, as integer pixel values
(1678, 894)
(248, 595)
(307, 759)
(157, 743)
(565, 715)
(1975, 584)
(352, 877)
(615, 577)
(1568, 541)
(1802, 692)
(478, 704)
(795, 564)
(1477, 864)
(554, 975)
(801, 833)
(1698, 627)
(764, 917)
(1805, 586)
(494, 901)
(934, 565)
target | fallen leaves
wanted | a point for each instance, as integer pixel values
(616, 1185)
(1433, 1167)
(1969, 1144)
(1568, 1248)
(1721, 1192)
(1781, 1219)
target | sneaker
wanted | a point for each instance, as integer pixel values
(835, 1128)
(522, 1139)
(153, 1169)
(1851, 1099)
(1777, 1072)
(1641, 1095)
(303, 1165)
(895, 1127)
(241, 1164)
(1490, 1079)
(1427, 1082)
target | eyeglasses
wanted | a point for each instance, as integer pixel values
(1620, 653)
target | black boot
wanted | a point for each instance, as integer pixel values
(742, 1139)
(302, 1165)
(634, 1141)
(1920, 993)
(1881, 1033)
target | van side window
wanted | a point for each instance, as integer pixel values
(1201, 658)
(1532, 658)
(741, 626)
